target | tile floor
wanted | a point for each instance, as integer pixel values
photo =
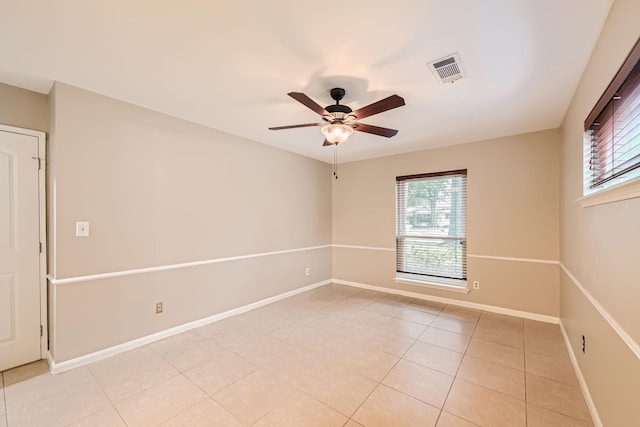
(333, 356)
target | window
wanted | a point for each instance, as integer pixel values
(431, 246)
(612, 144)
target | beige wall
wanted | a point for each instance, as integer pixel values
(599, 244)
(512, 212)
(23, 108)
(160, 191)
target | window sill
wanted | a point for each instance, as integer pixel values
(459, 285)
(623, 191)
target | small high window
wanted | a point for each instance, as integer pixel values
(612, 143)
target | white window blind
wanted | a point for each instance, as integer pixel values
(431, 240)
(613, 129)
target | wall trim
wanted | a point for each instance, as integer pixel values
(499, 258)
(633, 345)
(86, 359)
(460, 303)
(583, 384)
(371, 248)
(57, 282)
(503, 258)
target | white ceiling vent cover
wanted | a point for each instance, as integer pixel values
(447, 69)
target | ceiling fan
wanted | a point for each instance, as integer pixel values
(340, 121)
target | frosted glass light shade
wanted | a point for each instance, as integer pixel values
(336, 133)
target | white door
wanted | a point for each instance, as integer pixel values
(19, 250)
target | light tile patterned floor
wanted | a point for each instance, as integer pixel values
(333, 356)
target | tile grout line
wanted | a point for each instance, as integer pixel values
(300, 390)
(454, 377)
(436, 370)
(555, 380)
(378, 382)
(187, 379)
(267, 372)
(458, 370)
(563, 415)
(365, 399)
(208, 396)
(139, 391)
(490, 389)
(105, 395)
(524, 373)
(382, 379)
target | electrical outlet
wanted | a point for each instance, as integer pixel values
(308, 271)
(476, 284)
(158, 307)
(82, 229)
(584, 345)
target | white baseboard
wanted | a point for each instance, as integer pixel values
(583, 384)
(86, 359)
(49, 358)
(467, 304)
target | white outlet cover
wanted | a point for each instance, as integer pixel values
(82, 229)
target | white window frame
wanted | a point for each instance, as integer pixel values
(627, 185)
(442, 283)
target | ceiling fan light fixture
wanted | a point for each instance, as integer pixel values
(337, 133)
(340, 120)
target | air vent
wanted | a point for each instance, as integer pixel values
(447, 69)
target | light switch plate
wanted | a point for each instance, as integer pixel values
(82, 229)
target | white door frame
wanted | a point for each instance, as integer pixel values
(42, 203)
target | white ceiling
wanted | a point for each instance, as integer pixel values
(229, 64)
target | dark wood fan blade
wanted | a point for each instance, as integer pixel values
(376, 130)
(389, 103)
(308, 102)
(297, 126)
(326, 143)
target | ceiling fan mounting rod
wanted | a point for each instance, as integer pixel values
(337, 93)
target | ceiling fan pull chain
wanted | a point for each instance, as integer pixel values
(335, 160)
